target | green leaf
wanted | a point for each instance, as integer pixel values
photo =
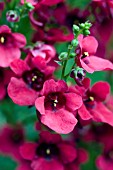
(78, 3)
(6, 163)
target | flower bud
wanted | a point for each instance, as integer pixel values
(82, 25)
(12, 16)
(74, 42)
(86, 32)
(63, 56)
(75, 29)
(29, 6)
(78, 74)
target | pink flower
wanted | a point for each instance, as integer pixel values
(50, 152)
(82, 157)
(93, 105)
(10, 45)
(32, 73)
(103, 19)
(106, 158)
(11, 138)
(44, 51)
(5, 76)
(86, 58)
(56, 106)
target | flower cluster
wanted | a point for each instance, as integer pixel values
(64, 111)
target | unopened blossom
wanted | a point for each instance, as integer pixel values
(10, 45)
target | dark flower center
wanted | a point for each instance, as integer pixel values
(34, 79)
(16, 137)
(47, 150)
(1, 75)
(54, 101)
(109, 155)
(90, 102)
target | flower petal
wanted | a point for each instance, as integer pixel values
(20, 93)
(20, 40)
(73, 101)
(8, 55)
(102, 114)
(67, 152)
(43, 164)
(60, 121)
(28, 150)
(97, 64)
(84, 113)
(89, 44)
(39, 103)
(19, 66)
(100, 90)
(51, 86)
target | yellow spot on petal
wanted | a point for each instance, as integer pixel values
(2, 40)
(86, 53)
(48, 151)
(55, 102)
(34, 78)
(91, 98)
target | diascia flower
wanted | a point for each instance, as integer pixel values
(93, 103)
(50, 152)
(10, 45)
(85, 57)
(56, 106)
(105, 160)
(11, 138)
(32, 73)
(81, 158)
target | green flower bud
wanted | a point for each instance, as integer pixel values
(75, 29)
(82, 25)
(74, 42)
(63, 56)
(29, 6)
(88, 24)
(86, 32)
(72, 55)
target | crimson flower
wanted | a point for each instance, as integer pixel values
(56, 106)
(93, 103)
(106, 158)
(32, 73)
(10, 45)
(50, 152)
(86, 58)
(11, 138)
(81, 158)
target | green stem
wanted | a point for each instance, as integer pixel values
(70, 47)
